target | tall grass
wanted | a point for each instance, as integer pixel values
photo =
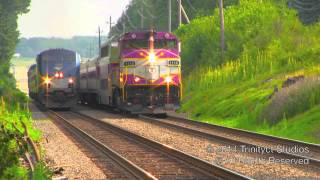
(266, 44)
(293, 100)
(243, 69)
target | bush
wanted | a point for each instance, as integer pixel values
(12, 142)
(296, 99)
(265, 43)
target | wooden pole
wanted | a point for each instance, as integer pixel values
(179, 13)
(169, 16)
(222, 27)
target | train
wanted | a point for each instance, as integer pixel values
(139, 73)
(53, 80)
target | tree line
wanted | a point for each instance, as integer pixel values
(86, 46)
(146, 14)
(9, 11)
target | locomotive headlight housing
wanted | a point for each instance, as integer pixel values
(71, 81)
(136, 79)
(47, 80)
(152, 58)
(168, 79)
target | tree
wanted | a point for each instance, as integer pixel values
(156, 13)
(9, 11)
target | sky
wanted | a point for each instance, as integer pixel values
(67, 18)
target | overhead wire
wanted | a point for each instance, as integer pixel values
(191, 6)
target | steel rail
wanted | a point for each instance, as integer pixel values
(270, 138)
(238, 132)
(200, 164)
(133, 169)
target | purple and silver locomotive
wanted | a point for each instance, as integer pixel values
(140, 73)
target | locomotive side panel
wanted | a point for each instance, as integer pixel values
(32, 81)
(102, 77)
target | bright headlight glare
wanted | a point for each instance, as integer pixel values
(71, 81)
(168, 79)
(47, 80)
(136, 79)
(152, 57)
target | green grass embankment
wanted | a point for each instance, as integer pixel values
(265, 45)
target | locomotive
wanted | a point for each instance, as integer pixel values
(140, 73)
(53, 80)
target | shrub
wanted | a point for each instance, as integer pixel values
(293, 100)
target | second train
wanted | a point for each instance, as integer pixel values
(140, 73)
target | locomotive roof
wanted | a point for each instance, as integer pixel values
(145, 34)
(55, 50)
(32, 67)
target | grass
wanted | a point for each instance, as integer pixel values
(305, 127)
(21, 66)
(25, 62)
(240, 103)
(265, 44)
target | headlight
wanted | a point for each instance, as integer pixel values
(136, 79)
(168, 79)
(152, 58)
(47, 80)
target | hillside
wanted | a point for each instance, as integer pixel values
(87, 46)
(146, 14)
(268, 79)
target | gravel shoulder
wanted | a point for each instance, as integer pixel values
(62, 152)
(245, 163)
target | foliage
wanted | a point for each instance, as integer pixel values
(296, 99)
(12, 142)
(86, 46)
(9, 11)
(42, 172)
(304, 126)
(266, 44)
(13, 120)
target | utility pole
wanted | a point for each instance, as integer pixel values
(185, 15)
(123, 28)
(169, 16)
(110, 24)
(142, 18)
(221, 27)
(90, 50)
(99, 32)
(179, 13)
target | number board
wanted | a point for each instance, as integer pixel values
(129, 63)
(173, 63)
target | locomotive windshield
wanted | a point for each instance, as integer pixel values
(144, 44)
(62, 61)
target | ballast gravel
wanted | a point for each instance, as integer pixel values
(62, 153)
(251, 164)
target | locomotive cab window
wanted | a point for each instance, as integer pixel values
(136, 44)
(165, 44)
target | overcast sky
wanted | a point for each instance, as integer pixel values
(67, 18)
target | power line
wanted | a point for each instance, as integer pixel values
(130, 22)
(192, 7)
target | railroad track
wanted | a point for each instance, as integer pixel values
(280, 146)
(142, 157)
